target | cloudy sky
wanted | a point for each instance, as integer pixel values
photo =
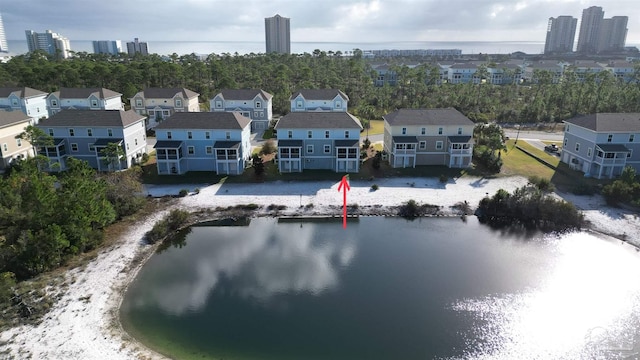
(311, 20)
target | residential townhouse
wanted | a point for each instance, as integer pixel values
(30, 101)
(206, 141)
(622, 70)
(584, 68)
(255, 104)
(84, 99)
(319, 100)
(318, 140)
(414, 137)
(160, 103)
(462, 73)
(532, 71)
(84, 134)
(601, 145)
(12, 124)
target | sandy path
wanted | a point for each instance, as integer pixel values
(88, 329)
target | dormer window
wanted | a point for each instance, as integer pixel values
(179, 103)
(258, 105)
(138, 102)
(299, 104)
(338, 104)
(14, 102)
(218, 104)
(54, 102)
(94, 103)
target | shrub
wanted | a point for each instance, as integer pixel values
(269, 147)
(443, 178)
(374, 187)
(582, 188)
(170, 223)
(377, 160)
(144, 159)
(366, 144)
(410, 209)
(183, 192)
(542, 184)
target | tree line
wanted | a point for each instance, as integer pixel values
(283, 74)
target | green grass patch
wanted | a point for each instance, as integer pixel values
(516, 162)
(550, 158)
(376, 127)
(268, 134)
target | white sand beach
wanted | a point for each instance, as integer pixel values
(83, 324)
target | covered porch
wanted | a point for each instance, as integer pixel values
(103, 161)
(170, 157)
(460, 151)
(56, 154)
(347, 155)
(609, 161)
(228, 159)
(403, 153)
(289, 156)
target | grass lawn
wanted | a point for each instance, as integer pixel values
(516, 162)
(376, 127)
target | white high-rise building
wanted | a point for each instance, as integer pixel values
(613, 34)
(111, 47)
(561, 32)
(277, 34)
(48, 41)
(590, 30)
(137, 47)
(3, 38)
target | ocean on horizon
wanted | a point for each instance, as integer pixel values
(17, 47)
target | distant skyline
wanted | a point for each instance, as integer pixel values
(329, 20)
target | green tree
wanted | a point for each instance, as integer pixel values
(113, 155)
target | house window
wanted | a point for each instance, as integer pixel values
(565, 143)
(110, 132)
(208, 150)
(258, 105)
(404, 131)
(191, 150)
(439, 131)
(256, 114)
(54, 102)
(135, 142)
(438, 145)
(218, 104)
(189, 135)
(309, 149)
(346, 134)
(92, 148)
(127, 146)
(227, 135)
(207, 135)
(74, 147)
(50, 132)
(338, 104)
(290, 134)
(94, 103)
(72, 132)
(179, 103)
(631, 138)
(577, 146)
(4, 147)
(422, 145)
(589, 152)
(423, 131)
(299, 104)
(326, 134)
(19, 142)
(459, 131)
(567, 129)
(89, 132)
(309, 134)
(610, 138)
(630, 153)
(327, 149)
(138, 102)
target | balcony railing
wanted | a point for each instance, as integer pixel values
(611, 161)
(460, 151)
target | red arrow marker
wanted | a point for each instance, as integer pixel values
(344, 184)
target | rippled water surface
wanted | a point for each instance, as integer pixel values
(386, 288)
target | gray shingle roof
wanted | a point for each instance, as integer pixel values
(101, 118)
(205, 120)
(12, 117)
(608, 122)
(244, 94)
(83, 93)
(168, 93)
(319, 120)
(613, 148)
(319, 94)
(448, 116)
(23, 92)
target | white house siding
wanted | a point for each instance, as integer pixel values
(260, 117)
(14, 151)
(319, 105)
(132, 133)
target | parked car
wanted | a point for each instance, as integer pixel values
(553, 148)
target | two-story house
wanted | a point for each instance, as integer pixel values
(319, 140)
(255, 104)
(30, 101)
(12, 124)
(428, 137)
(160, 103)
(206, 141)
(319, 100)
(84, 134)
(602, 145)
(84, 99)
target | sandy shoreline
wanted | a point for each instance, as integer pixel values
(83, 324)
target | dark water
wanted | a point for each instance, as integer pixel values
(386, 288)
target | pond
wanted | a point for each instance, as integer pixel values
(385, 288)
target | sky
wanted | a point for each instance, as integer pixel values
(311, 20)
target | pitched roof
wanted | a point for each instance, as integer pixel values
(464, 66)
(608, 122)
(167, 93)
(319, 94)
(319, 120)
(205, 120)
(12, 117)
(83, 93)
(448, 116)
(22, 92)
(106, 118)
(244, 94)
